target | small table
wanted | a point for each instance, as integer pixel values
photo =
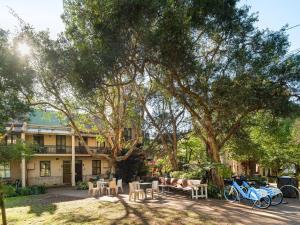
(144, 187)
(145, 184)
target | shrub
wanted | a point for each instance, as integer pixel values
(9, 191)
(24, 191)
(82, 185)
(214, 191)
(38, 189)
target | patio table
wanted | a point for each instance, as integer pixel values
(144, 185)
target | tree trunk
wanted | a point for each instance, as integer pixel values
(297, 170)
(214, 149)
(173, 160)
(3, 213)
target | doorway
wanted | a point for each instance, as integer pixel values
(78, 170)
(67, 172)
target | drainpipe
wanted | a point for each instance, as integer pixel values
(23, 164)
(73, 160)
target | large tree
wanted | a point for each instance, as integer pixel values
(208, 54)
(15, 84)
(104, 109)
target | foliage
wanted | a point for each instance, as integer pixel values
(268, 140)
(214, 191)
(207, 54)
(191, 150)
(15, 81)
(132, 167)
(82, 185)
(11, 191)
(16, 151)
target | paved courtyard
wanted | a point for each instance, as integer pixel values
(221, 212)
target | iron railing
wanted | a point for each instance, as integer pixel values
(53, 149)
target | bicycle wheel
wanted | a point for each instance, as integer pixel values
(290, 191)
(230, 193)
(277, 199)
(263, 203)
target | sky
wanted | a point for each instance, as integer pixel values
(45, 14)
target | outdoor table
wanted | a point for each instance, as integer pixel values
(144, 185)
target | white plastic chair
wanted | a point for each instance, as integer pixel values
(100, 187)
(134, 192)
(153, 189)
(92, 190)
(137, 188)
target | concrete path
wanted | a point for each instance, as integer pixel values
(222, 211)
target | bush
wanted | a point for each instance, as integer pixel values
(24, 191)
(38, 189)
(9, 191)
(214, 191)
(82, 185)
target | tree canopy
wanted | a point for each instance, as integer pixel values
(207, 54)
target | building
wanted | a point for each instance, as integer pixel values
(60, 159)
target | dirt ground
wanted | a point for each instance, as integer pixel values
(220, 211)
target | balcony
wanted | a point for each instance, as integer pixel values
(53, 149)
(98, 150)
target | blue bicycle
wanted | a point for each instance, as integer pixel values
(274, 193)
(258, 197)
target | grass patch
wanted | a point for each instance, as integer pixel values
(46, 209)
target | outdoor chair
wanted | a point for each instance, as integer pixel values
(133, 192)
(100, 187)
(153, 189)
(138, 189)
(111, 186)
(119, 185)
(92, 190)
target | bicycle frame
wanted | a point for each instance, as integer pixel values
(252, 193)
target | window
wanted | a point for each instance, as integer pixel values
(11, 139)
(127, 134)
(96, 167)
(5, 170)
(45, 170)
(38, 139)
(60, 143)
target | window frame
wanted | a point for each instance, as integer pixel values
(49, 163)
(96, 167)
(39, 139)
(5, 167)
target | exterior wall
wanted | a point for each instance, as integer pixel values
(33, 171)
(29, 137)
(68, 140)
(56, 166)
(87, 167)
(92, 142)
(49, 139)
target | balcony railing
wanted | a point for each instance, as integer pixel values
(99, 150)
(53, 149)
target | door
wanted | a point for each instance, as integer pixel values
(61, 143)
(67, 172)
(78, 170)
